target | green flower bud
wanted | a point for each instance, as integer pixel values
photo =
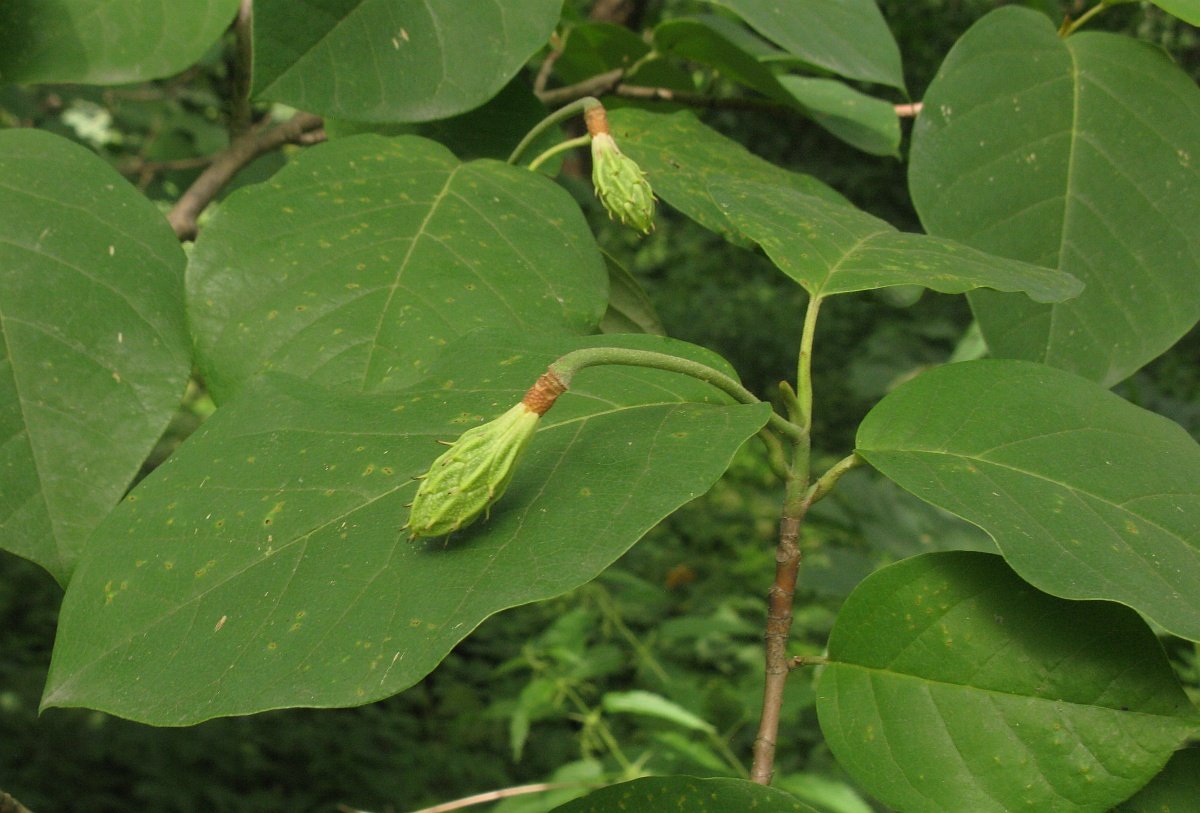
(472, 474)
(621, 185)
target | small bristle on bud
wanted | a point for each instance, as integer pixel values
(544, 393)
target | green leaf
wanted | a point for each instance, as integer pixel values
(1187, 10)
(629, 308)
(654, 705)
(593, 48)
(358, 261)
(655, 794)
(1175, 790)
(956, 686)
(681, 156)
(106, 42)
(263, 565)
(1087, 495)
(848, 37)
(832, 249)
(862, 121)
(93, 347)
(1081, 154)
(394, 60)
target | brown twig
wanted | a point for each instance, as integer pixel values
(779, 625)
(610, 83)
(240, 73)
(490, 796)
(543, 74)
(597, 85)
(228, 162)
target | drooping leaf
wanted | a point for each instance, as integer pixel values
(1175, 790)
(394, 60)
(1187, 10)
(358, 261)
(629, 308)
(1081, 154)
(655, 794)
(681, 156)
(848, 37)
(830, 248)
(1087, 495)
(698, 40)
(264, 566)
(106, 42)
(953, 685)
(93, 348)
(862, 121)
(650, 704)
(865, 122)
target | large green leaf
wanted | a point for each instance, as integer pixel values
(848, 37)
(1087, 495)
(1175, 790)
(953, 685)
(829, 248)
(106, 42)
(682, 157)
(656, 794)
(1081, 154)
(1188, 10)
(93, 349)
(264, 566)
(359, 260)
(394, 60)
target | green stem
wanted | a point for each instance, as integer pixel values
(582, 141)
(804, 367)
(567, 366)
(1069, 26)
(562, 114)
(828, 480)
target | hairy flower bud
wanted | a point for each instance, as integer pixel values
(621, 185)
(477, 468)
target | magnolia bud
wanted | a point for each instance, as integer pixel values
(477, 468)
(621, 185)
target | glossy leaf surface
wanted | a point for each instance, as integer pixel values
(358, 261)
(1087, 495)
(394, 60)
(848, 37)
(830, 248)
(1081, 154)
(93, 350)
(954, 686)
(654, 794)
(682, 157)
(106, 42)
(264, 566)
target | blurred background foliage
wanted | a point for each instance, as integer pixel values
(657, 665)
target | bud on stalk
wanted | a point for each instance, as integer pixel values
(477, 468)
(620, 183)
